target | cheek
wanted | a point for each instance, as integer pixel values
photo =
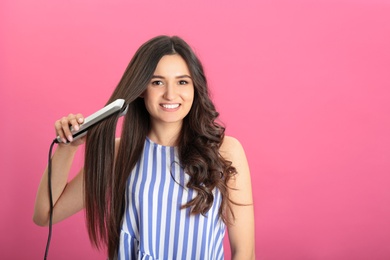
(189, 95)
(149, 97)
(148, 102)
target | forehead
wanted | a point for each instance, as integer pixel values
(172, 65)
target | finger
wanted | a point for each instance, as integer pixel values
(59, 131)
(65, 123)
(73, 122)
(80, 118)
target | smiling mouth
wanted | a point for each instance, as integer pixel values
(170, 106)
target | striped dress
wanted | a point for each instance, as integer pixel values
(154, 226)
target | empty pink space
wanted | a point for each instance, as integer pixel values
(304, 85)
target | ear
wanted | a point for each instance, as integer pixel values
(142, 95)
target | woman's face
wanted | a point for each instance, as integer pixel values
(170, 93)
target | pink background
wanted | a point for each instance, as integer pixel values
(304, 85)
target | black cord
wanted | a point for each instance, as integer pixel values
(50, 198)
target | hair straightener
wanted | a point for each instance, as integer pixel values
(118, 106)
(112, 108)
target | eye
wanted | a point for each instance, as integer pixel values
(157, 83)
(183, 82)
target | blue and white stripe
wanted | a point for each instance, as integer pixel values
(154, 226)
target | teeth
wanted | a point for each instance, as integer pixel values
(170, 106)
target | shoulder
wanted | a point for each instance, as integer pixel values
(232, 150)
(230, 142)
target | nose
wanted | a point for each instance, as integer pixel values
(170, 92)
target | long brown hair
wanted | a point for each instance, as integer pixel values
(200, 139)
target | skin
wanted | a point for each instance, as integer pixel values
(168, 99)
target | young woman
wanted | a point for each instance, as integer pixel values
(168, 187)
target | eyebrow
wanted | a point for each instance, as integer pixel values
(178, 77)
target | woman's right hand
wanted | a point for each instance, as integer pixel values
(62, 127)
(67, 196)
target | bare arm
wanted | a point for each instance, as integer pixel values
(241, 232)
(67, 196)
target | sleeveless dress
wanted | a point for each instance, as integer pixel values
(154, 226)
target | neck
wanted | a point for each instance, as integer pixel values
(165, 134)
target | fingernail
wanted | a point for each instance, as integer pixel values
(76, 127)
(70, 138)
(80, 120)
(63, 140)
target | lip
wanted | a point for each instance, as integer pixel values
(170, 107)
